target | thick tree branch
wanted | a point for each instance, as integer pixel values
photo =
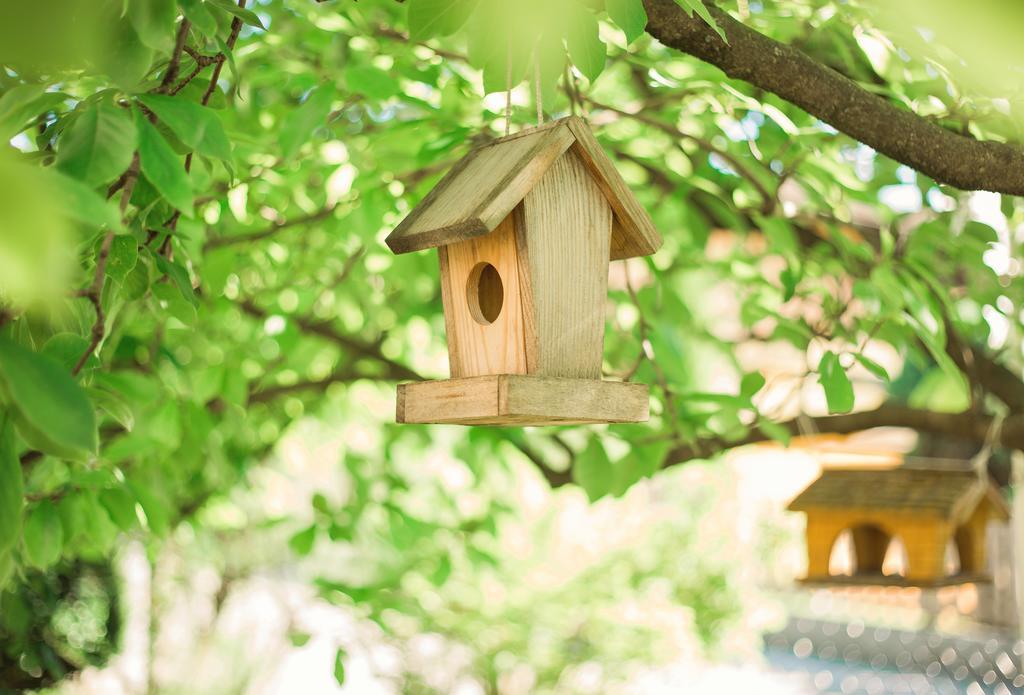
(967, 425)
(943, 155)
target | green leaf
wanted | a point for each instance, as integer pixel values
(781, 237)
(67, 348)
(371, 82)
(247, 16)
(199, 14)
(302, 542)
(750, 385)
(124, 254)
(179, 276)
(48, 398)
(698, 6)
(114, 406)
(339, 666)
(774, 430)
(120, 506)
(197, 126)
(162, 167)
(11, 487)
(837, 386)
(124, 57)
(299, 639)
(629, 15)
(158, 516)
(586, 49)
(593, 471)
(299, 125)
(428, 18)
(99, 145)
(43, 536)
(872, 366)
(6, 569)
(19, 105)
(153, 21)
(82, 203)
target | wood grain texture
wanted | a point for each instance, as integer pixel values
(473, 348)
(635, 234)
(567, 226)
(520, 401)
(481, 190)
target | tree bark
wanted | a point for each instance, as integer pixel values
(787, 72)
(967, 425)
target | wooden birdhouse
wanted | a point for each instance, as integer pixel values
(940, 517)
(525, 227)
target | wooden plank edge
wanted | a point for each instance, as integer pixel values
(511, 190)
(402, 230)
(634, 220)
(443, 236)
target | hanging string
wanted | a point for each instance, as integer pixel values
(508, 88)
(536, 87)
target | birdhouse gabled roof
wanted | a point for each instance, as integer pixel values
(951, 494)
(485, 186)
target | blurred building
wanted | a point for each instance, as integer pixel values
(902, 580)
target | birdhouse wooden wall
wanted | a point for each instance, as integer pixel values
(525, 227)
(929, 510)
(529, 297)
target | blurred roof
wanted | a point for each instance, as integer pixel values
(950, 493)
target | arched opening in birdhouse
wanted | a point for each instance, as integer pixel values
(485, 293)
(865, 550)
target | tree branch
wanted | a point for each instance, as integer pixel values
(396, 370)
(270, 231)
(967, 425)
(789, 73)
(174, 66)
(94, 293)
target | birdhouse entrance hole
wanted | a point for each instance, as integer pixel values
(485, 293)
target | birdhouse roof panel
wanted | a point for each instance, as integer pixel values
(947, 493)
(484, 187)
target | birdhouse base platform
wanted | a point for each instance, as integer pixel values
(518, 400)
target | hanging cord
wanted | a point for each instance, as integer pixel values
(536, 86)
(508, 89)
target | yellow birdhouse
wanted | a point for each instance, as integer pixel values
(525, 227)
(940, 516)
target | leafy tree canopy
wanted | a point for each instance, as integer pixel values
(195, 195)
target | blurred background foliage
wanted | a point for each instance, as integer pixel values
(192, 208)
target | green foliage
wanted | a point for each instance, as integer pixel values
(339, 666)
(630, 15)
(48, 405)
(701, 9)
(249, 292)
(99, 143)
(835, 382)
(11, 490)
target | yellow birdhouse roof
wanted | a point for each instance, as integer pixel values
(950, 494)
(487, 184)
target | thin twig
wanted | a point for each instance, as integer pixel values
(270, 231)
(94, 293)
(174, 66)
(220, 59)
(768, 200)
